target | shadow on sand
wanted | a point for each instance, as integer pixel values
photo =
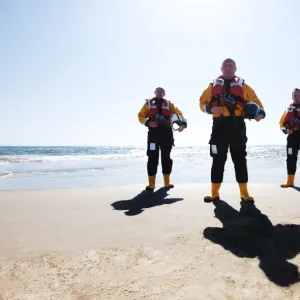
(297, 188)
(146, 199)
(249, 233)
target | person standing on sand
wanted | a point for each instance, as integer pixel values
(159, 114)
(290, 125)
(230, 100)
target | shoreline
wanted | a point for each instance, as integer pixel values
(195, 183)
(201, 185)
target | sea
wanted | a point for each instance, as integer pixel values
(27, 168)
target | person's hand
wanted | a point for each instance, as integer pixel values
(259, 117)
(153, 124)
(218, 110)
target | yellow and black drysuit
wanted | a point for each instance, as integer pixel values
(290, 119)
(159, 110)
(229, 129)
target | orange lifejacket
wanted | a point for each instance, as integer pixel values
(292, 117)
(234, 97)
(159, 113)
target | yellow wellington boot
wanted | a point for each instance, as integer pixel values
(244, 192)
(214, 193)
(151, 185)
(290, 181)
(167, 181)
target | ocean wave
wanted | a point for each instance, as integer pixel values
(14, 159)
(63, 151)
(35, 155)
(5, 174)
(49, 172)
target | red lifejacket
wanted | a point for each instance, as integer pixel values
(161, 116)
(292, 117)
(236, 92)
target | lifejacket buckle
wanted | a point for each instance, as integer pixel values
(229, 99)
(160, 119)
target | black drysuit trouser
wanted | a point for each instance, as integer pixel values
(159, 139)
(292, 148)
(228, 133)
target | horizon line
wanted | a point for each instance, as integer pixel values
(202, 145)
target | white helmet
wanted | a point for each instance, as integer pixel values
(176, 119)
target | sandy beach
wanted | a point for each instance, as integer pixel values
(122, 243)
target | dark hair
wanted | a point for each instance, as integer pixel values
(294, 90)
(229, 60)
(160, 88)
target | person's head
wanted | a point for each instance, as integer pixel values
(159, 92)
(296, 96)
(228, 68)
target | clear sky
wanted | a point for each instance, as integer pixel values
(77, 72)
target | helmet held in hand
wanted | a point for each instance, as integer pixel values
(251, 110)
(178, 121)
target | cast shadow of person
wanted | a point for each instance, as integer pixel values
(297, 188)
(145, 199)
(249, 233)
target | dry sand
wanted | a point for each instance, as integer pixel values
(103, 243)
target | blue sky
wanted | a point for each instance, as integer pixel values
(77, 72)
